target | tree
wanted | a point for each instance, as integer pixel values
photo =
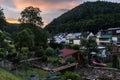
(90, 45)
(30, 18)
(40, 35)
(24, 38)
(2, 19)
(31, 15)
(5, 46)
(49, 51)
(74, 46)
(39, 52)
(89, 16)
(5, 40)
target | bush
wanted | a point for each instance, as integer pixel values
(11, 56)
(49, 51)
(1, 52)
(57, 52)
(75, 46)
(72, 76)
(39, 52)
(25, 49)
(56, 45)
(44, 58)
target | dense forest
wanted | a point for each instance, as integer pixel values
(11, 28)
(89, 16)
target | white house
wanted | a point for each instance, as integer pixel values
(71, 38)
(108, 36)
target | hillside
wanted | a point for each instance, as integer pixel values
(5, 75)
(89, 16)
(11, 28)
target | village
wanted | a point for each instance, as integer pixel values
(70, 40)
(79, 52)
(100, 57)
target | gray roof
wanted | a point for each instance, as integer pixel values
(113, 28)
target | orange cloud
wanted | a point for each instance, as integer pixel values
(1, 0)
(50, 8)
(12, 21)
(45, 7)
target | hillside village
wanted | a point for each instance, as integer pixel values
(103, 37)
(82, 47)
(76, 56)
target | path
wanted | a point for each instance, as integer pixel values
(64, 67)
(56, 69)
(31, 59)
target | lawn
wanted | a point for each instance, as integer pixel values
(35, 71)
(6, 75)
(53, 58)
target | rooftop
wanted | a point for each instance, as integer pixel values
(67, 52)
(113, 28)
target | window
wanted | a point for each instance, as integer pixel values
(110, 32)
(117, 31)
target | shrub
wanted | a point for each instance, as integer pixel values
(56, 45)
(11, 56)
(49, 51)
(72, 76)
(39, 52)
(1, 53)
(75, 47)
(44, 58)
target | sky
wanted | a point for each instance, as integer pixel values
(50, 8)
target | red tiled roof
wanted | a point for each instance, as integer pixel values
(67, 52)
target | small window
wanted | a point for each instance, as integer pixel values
(117, 31)
(109, 32)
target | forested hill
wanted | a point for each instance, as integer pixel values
(11, 28)
(89, 16)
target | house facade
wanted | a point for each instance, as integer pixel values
(111, 35)
(71, 38)
(115, 33)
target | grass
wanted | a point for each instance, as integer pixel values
(109, 65)
(35, 71)
(53, 58)
(6, 75)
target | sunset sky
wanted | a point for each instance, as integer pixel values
(50, 8)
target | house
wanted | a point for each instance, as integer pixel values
(90, 35)
(103, 40)
(68, 53)
(65, 38)
(115, 33)
(73, 38)
(86, 34)
(70, 38)
(60, 38)
(107, 36)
